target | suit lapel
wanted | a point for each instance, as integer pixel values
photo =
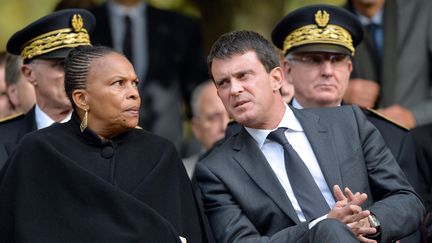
(252, 160)
(322, 143)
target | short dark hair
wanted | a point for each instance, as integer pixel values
(12, 69)
(240, 42)
(77, 65)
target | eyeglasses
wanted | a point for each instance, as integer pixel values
(317, 59)
(53, 63)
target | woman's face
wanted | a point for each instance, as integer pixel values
(112, 95)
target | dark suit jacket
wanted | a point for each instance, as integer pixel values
(423, 143)
(176, 64)
(401, 144)
(13, 130)
(245, 202)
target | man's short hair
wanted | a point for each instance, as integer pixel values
(240, 42)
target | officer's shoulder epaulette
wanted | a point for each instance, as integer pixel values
(12, 117)
(382, 116)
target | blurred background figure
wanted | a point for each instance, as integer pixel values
(209, 121)
(166, 50)
(6, 108)
(85, 4)
(20, 92)
(391, 68)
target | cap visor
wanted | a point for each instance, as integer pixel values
(321, 48)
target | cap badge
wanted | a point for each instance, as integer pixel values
(77, 22)
(322, 18)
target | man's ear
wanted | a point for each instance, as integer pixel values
(27, 72)
(287, 71)
(80, 99)
(277, 77)
(12, 92)
(195, 124)
(286, 66)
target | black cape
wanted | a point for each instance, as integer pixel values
(61, 185)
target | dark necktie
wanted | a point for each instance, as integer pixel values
(375, 33)
(305, 189)
(127, 41)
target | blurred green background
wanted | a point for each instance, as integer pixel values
(218, 15)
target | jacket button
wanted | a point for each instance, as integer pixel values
(107, 152)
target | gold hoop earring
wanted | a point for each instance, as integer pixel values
(83, 124)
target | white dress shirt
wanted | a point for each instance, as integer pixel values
(274, 154)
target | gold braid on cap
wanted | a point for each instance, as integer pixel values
(57, 39)
(319, 33)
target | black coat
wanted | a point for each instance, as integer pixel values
(61, 185)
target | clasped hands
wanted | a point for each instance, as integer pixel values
(348, 210)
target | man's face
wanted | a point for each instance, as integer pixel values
(246, 89)
(5, 105)
(47, 76)
(210, 123)
(320, 79)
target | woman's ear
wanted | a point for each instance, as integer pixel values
(80, 99)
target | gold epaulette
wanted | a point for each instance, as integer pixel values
(11, 117)
(377, 113)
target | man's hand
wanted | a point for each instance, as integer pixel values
(362, 92)
(362, 228)
(400, 115)
(348, 210)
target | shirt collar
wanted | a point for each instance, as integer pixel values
(297, 105)
(288, 120)
(43, 120)
(120, 10)
(376, 19)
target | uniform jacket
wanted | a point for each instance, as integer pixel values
(61, 185)
(13, 130)
(245, 202)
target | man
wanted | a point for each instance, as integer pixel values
(43, 45)
(321, 77)
(392, 65)
(248, 195)
(209, 120)
(21, 93)
(165, 49)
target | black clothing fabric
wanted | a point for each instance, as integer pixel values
(423, 143)
(61, 185)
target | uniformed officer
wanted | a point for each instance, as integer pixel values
(43, 45)
(318, 44)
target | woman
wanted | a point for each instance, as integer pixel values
(97, 178)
